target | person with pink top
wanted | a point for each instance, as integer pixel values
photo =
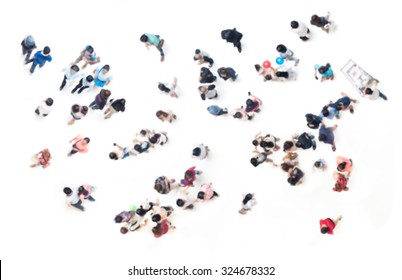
(41, 159)
(189, 177)
(86, 191)
(344, 165)
(327, 225)
(206, 192)
(80, 145)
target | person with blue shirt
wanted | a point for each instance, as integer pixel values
(153, 40)
(40, 58)
(329, 111)
(216, 110)
(325, 72)
(88, 55)
(326, 135)
(227, 73)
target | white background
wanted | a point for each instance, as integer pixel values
(41, 238)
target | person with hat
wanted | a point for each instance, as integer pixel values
(40, 58)
(153, 40)
(88, 55)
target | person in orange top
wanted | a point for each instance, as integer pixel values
(80, 145)
(344, 165)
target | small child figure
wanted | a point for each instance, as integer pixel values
(248, 203)
(320, 164)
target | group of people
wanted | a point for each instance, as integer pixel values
(264, 145)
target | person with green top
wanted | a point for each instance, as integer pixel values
(153, 40)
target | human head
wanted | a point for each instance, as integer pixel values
(281, 74)
(113, 155)
(75, 68)
(189, 175)
(158, 187)
(46, 50)
(180, 202)
(202, 89)
(322, 69)
(255, 142)
(339, 106)
(249, 102)
(144, 38)
(287, 145)
(257, 67)
(89, 49)
(105, 69)
(254, 162)
(157, 230)
(87, 140)
(196, 152)
(75, 108)
(281, 48)
(309, 118)
(292, 181)
(294, 24)
(197, 51)
(84, 110)
(49, 101)
(156, 218)
(68, 191)
(317, 164)
(286, 167)
(137, 147)
(314, 18)
(324, 229)
(123, 230)
(118, 219)
(369, 91)
(247, 198)
(143, 132)
(223, 72)
(268, 77)
(341, 166)
(89, 78)
(140, 212)
(163, 88)
(154, 138)
(105, 93)
(238, 115)
(325, 111)
(201, 195)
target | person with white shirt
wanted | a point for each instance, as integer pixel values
(300, 29)
(371, 91)
(84, 83)
(71, 73)
(73, 198)
(45, 107)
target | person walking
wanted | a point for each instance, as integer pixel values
(118, 105)
(328, 225)
(45, 107)
(169, 89)
(300, 29)
(28, 45)
(40, 58)
(100, 100)
(80, 145)
(71, 73)
(326, 135)
(84, 83)
(153, 40)
(88, 55)
(287, 54)
(102, 76)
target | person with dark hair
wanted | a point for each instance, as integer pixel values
(71, 73)
(232, 36)
(289, 146)
(162, 228)
(146, 207)
(189, 177)
(253, 104)
(300, 29)
(320, 164)
(28, 45)
(161, 213)
(209, 92)
(203, 57)
(40, 58)
(74, 198)
(345, 103)
(45, 107)
(313, 121)
(102, 76)
(344, 165)
(260, 157)
(186, 204)
(200, 151)
(100, 100)
(327, 225)
(77, 113)
(321, 22)
(206, 192)
(121, 153)
(227, 73)
(80, 145)
(118, 105)
(248, 203)
(326, 135)
(241, 114)
(88, 55)
(216, 110)
(287, 54)
(324, 71)
(153, 40)
(141, 146)
(370, 90)
(41, 159)
(206, 76)
(329, 111)
(166, 115)
(268, 74)
(295, 176)
(86, 190)
(306, 141)
(169, 89)
(341, 183)
(266, 143)
(284, 74)
(290, 160)
(84, 83)
(164, 185)
(158, 138)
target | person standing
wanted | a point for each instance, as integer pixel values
(300, 29)
(28, 45)
(100, 100)
(169, 89)
(102, 76)
(118, 105)
(40, 58)
(372, 92)
(216, 110)
(248, 203)
(326, 135)
(80, 145)
(71, 73)
(325, 72)
(321, 22)
(208, 92)
(287, 54)
(328, 225)
(166, 115)
(153, 40)
(88, 55)
(227, 73)
(203, 57)
(232, 36)
(84, 83)
(200, 152)
(45, 107)
(77, 112)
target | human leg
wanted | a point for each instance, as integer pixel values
(63, 83)
(78, 205)
(383, 96)
(33, 66)
(77, 86)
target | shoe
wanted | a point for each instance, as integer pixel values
(73, 91)
(162, 58)
(60, 88)
(239, 48)
(297, 62)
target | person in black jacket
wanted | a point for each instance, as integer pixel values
(117, 105)
(306, 141)
(232, 36)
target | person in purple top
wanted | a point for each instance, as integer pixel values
(100, 99)
(40, 58)
(326, 135)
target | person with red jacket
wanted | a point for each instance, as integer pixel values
(327, 225)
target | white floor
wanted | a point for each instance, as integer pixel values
(41, 238)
